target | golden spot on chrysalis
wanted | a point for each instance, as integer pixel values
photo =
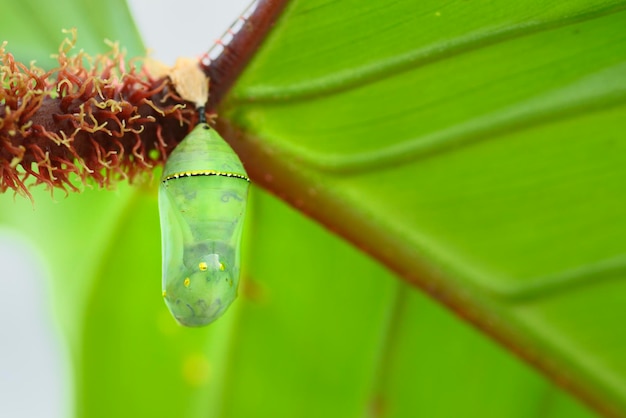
(187, 282)
(222, 268)
(164, 293)
(203, 266)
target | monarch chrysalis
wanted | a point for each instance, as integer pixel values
(202, 203)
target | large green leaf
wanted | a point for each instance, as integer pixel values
(476, 149)
(320, 329)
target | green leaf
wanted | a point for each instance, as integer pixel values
(33, 29)
(475, 148)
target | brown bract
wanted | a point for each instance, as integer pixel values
(91, 117)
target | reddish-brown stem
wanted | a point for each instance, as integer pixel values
(225, 69)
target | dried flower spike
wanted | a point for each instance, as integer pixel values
(91, 117)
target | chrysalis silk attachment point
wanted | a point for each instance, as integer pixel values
(202, 204)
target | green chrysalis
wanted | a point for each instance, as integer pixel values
(202, 203)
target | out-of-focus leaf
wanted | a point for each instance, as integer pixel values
(33, 29)
(71, 232)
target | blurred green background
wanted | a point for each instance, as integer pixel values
(484, 139)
